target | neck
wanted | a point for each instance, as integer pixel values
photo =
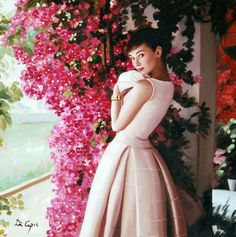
(160, 73)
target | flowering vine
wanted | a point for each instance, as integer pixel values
(225, 92)
(226, 87)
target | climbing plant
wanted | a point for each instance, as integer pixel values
(8, 94)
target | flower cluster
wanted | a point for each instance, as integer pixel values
(63, 49)
(225, 111)
(219, 166)
(226, 87)
(219, 157)
(224, 159)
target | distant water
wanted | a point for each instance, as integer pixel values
(26, 154)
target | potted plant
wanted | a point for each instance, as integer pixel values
(225, 156)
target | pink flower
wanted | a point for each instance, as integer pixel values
(219, 158)
(174, 50)
(197, 79)
(220, 152)
(175, 79)
(103, 2)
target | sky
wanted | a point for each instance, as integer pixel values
(7, 7)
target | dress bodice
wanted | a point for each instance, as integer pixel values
(153, 110)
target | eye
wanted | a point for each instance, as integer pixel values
(131, 58)
(141, 55)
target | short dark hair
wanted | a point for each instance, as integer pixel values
(151, 37)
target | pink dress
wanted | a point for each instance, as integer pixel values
(133, 193)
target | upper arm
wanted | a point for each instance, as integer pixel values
(140, 93)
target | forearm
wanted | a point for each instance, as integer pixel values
(123, 113)
(116, 103)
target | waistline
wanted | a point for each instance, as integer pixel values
(129, 139)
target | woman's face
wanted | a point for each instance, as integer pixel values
(144, 59)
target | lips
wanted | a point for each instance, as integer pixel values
(140, 69)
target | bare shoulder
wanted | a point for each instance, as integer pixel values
(144, 84)
(143, 88)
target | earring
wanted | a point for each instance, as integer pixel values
(147, 76)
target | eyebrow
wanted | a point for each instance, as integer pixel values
(138, 51)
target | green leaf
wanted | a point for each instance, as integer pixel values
(9, 213)
(13, 200)
(4, 105)
(2, 52)
(20, 202)
(67, 93)
(15, 38)
(6, 50)
(32, 32)
(3, 122)
(19, 196)
(5, 113)
(21, 207)
(223, 165)
(6, 223)
(28, 47)
(4, 94)
(195, 114)
(9, 51)
(5, 207)
(15, 92)
(219, 173)
(1, 144)
(1, 86)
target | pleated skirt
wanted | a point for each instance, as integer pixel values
(133, 194)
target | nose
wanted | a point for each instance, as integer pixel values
(137, 62)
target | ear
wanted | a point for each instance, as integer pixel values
(158, 51)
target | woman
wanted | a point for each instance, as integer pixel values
(133, 194)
